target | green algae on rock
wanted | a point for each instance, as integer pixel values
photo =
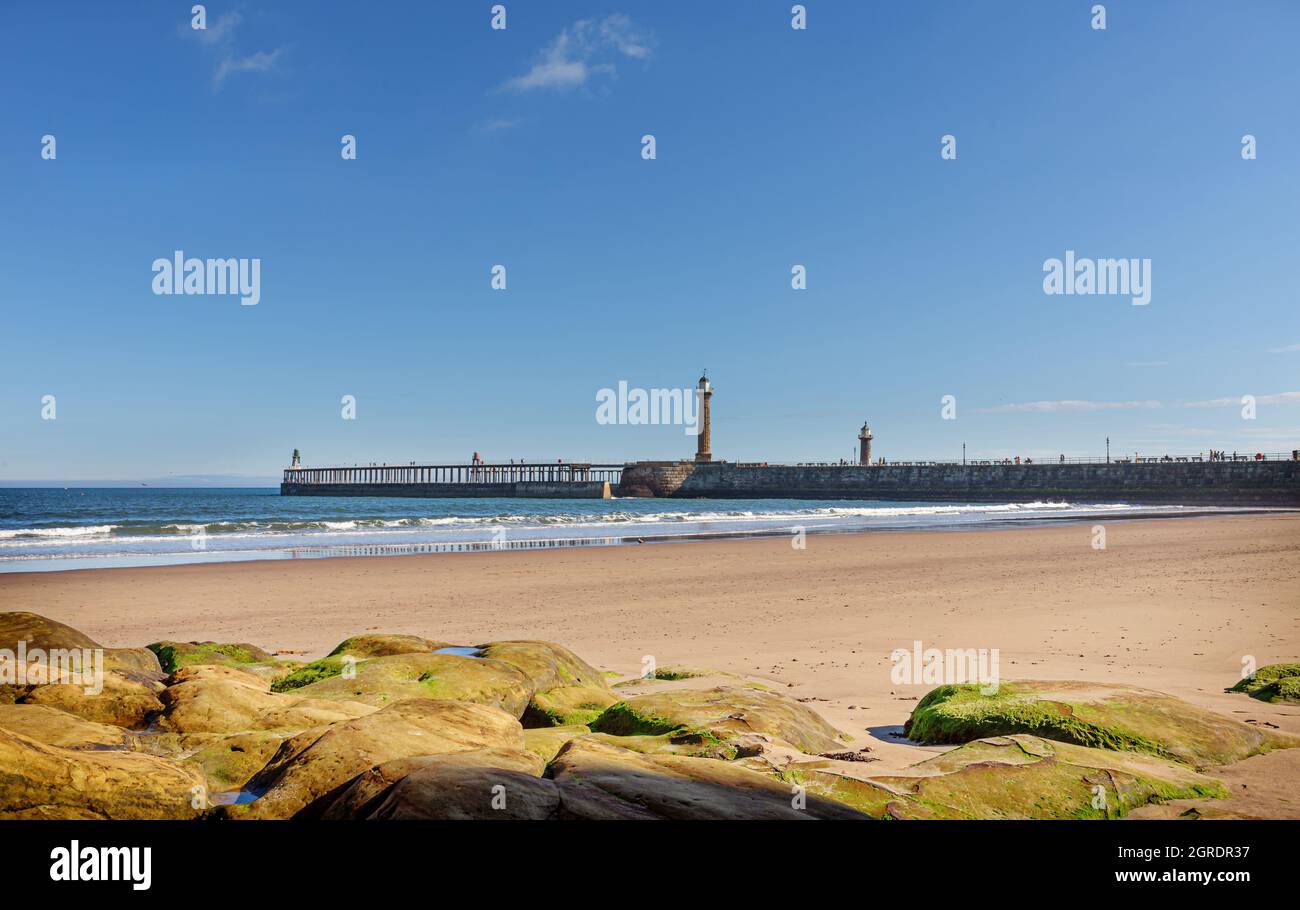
(1021, 777)
(208, 698)
(385, 645)
(380, 681)
(566, 690)
(229, 762)
(1273, 683)
(1123, 718)
(176, 655)
(719, 715)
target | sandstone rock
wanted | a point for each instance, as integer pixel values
(714, 717)
(229, 762)
(457, 785)
(1023, 776)
(1117, 717)
(217, 699)
(58, 728)
(601, 781)
(546, 664)
(546, 741)
(566, 690)
(385, 680)
(46, 634)
(376, 645)
(44, 781)
(128, 699)
(311, 765)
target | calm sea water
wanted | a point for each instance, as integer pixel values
(49, 529)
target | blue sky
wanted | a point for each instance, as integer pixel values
(522, 147)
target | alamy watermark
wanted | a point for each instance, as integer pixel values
(659, 407)
(179, 275)
(1123, 277)
(56, 666)
(950, 666)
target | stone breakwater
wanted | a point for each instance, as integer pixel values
(1227, 483)
(397, 726)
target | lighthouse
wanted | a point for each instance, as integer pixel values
(864, 444)
(703, 392)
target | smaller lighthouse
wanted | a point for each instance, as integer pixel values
(864, 444)
(703, 443)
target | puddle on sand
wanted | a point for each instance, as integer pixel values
(460, 651)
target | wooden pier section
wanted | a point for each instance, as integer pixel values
(561, 480)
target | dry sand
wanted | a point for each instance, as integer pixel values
(1172, 605)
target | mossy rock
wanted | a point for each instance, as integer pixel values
(1274, 683)
(230, 762)
(306, 674)
(567, 705)
(314, 764)
(386, 645)
(176, 655)
(545, 742)
(381, 681)
(1122, 718)
(546, 664)
(716, 716)
(1028, 777)
(599, 780)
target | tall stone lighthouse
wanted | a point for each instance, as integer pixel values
(703, 444)
(864, 445)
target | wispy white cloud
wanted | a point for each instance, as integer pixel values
(260, 62)
(1234, 402)
(219, 30)
(1052, 407)
(1285, 349)
(588, 48)
(498, 124)
(219, 36)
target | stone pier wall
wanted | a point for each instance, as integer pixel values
(1263, 483)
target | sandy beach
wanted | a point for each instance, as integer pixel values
(1172, 605)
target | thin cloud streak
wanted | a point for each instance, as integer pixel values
(260, 62)
(1053, 407)
(585, 49)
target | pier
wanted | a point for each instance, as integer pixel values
(559, 480)
(1215, 478)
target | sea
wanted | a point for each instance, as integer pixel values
(45, 529)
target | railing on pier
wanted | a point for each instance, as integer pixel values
(559, 472)
(1293, 455)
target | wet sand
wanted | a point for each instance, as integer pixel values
(1172, 605)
